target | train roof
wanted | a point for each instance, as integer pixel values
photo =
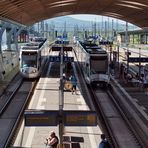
(32, 45)
(39, 39)
(95, 50)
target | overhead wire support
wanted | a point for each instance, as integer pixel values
(126, 39)
(61, 96)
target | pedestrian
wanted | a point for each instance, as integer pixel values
(74, 84)
(137, 76)
(104, 143)
(112, 67)
(125, 74)
(52, 141)
(121, 71)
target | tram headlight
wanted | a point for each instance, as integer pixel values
(34, 71)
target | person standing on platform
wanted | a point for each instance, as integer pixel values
(121, 71)
(52, 141)
(74, 84)
(104, 143)
(112, 67)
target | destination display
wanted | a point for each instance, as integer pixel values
(58, 59)
(80, 118)
(41, 118)
(137, 59)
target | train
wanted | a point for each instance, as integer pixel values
(94, 63)
(33, 56)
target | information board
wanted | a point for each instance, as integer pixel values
(80, 118)
(58, 59)
(41, 118)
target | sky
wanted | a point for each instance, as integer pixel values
(96, 18)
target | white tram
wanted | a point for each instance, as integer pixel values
(33, 57)
(94, 63)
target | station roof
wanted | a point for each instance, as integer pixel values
(28, 12)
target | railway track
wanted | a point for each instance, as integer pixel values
(119, 126)
(17, 95)
(10, 117)
(114, 121)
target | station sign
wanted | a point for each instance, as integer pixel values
(137, 59)
(58, 48)
(58, 59)
(52, 118)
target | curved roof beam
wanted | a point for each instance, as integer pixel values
(28, 12)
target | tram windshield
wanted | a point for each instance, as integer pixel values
(99, 65)
(29, 61)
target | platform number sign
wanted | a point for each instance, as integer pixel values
(58, 59)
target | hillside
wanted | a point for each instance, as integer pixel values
(59, 23)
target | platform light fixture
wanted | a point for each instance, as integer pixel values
(115, 15)
(62, 3)
(66, 4)
(133, 3)
(129, 6)
(63, 13)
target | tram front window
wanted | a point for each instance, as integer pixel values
(29, 60)
(99, 67)
(29, 63)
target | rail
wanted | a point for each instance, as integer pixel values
(12, 135)
(129, 108)
(10, 98)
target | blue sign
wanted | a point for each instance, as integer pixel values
(58, 59)
(137, 59)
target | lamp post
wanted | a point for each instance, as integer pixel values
(128, 53)
(110, 52)
(61, 96)
(126, 38)
(118, 52)
(139, 62)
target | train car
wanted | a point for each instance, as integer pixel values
(33, 56)
(94, 63)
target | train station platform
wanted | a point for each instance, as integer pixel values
(46, 97)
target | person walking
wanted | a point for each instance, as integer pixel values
(52, 141)
(74, 84)
(121, 71)
(104, 143)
